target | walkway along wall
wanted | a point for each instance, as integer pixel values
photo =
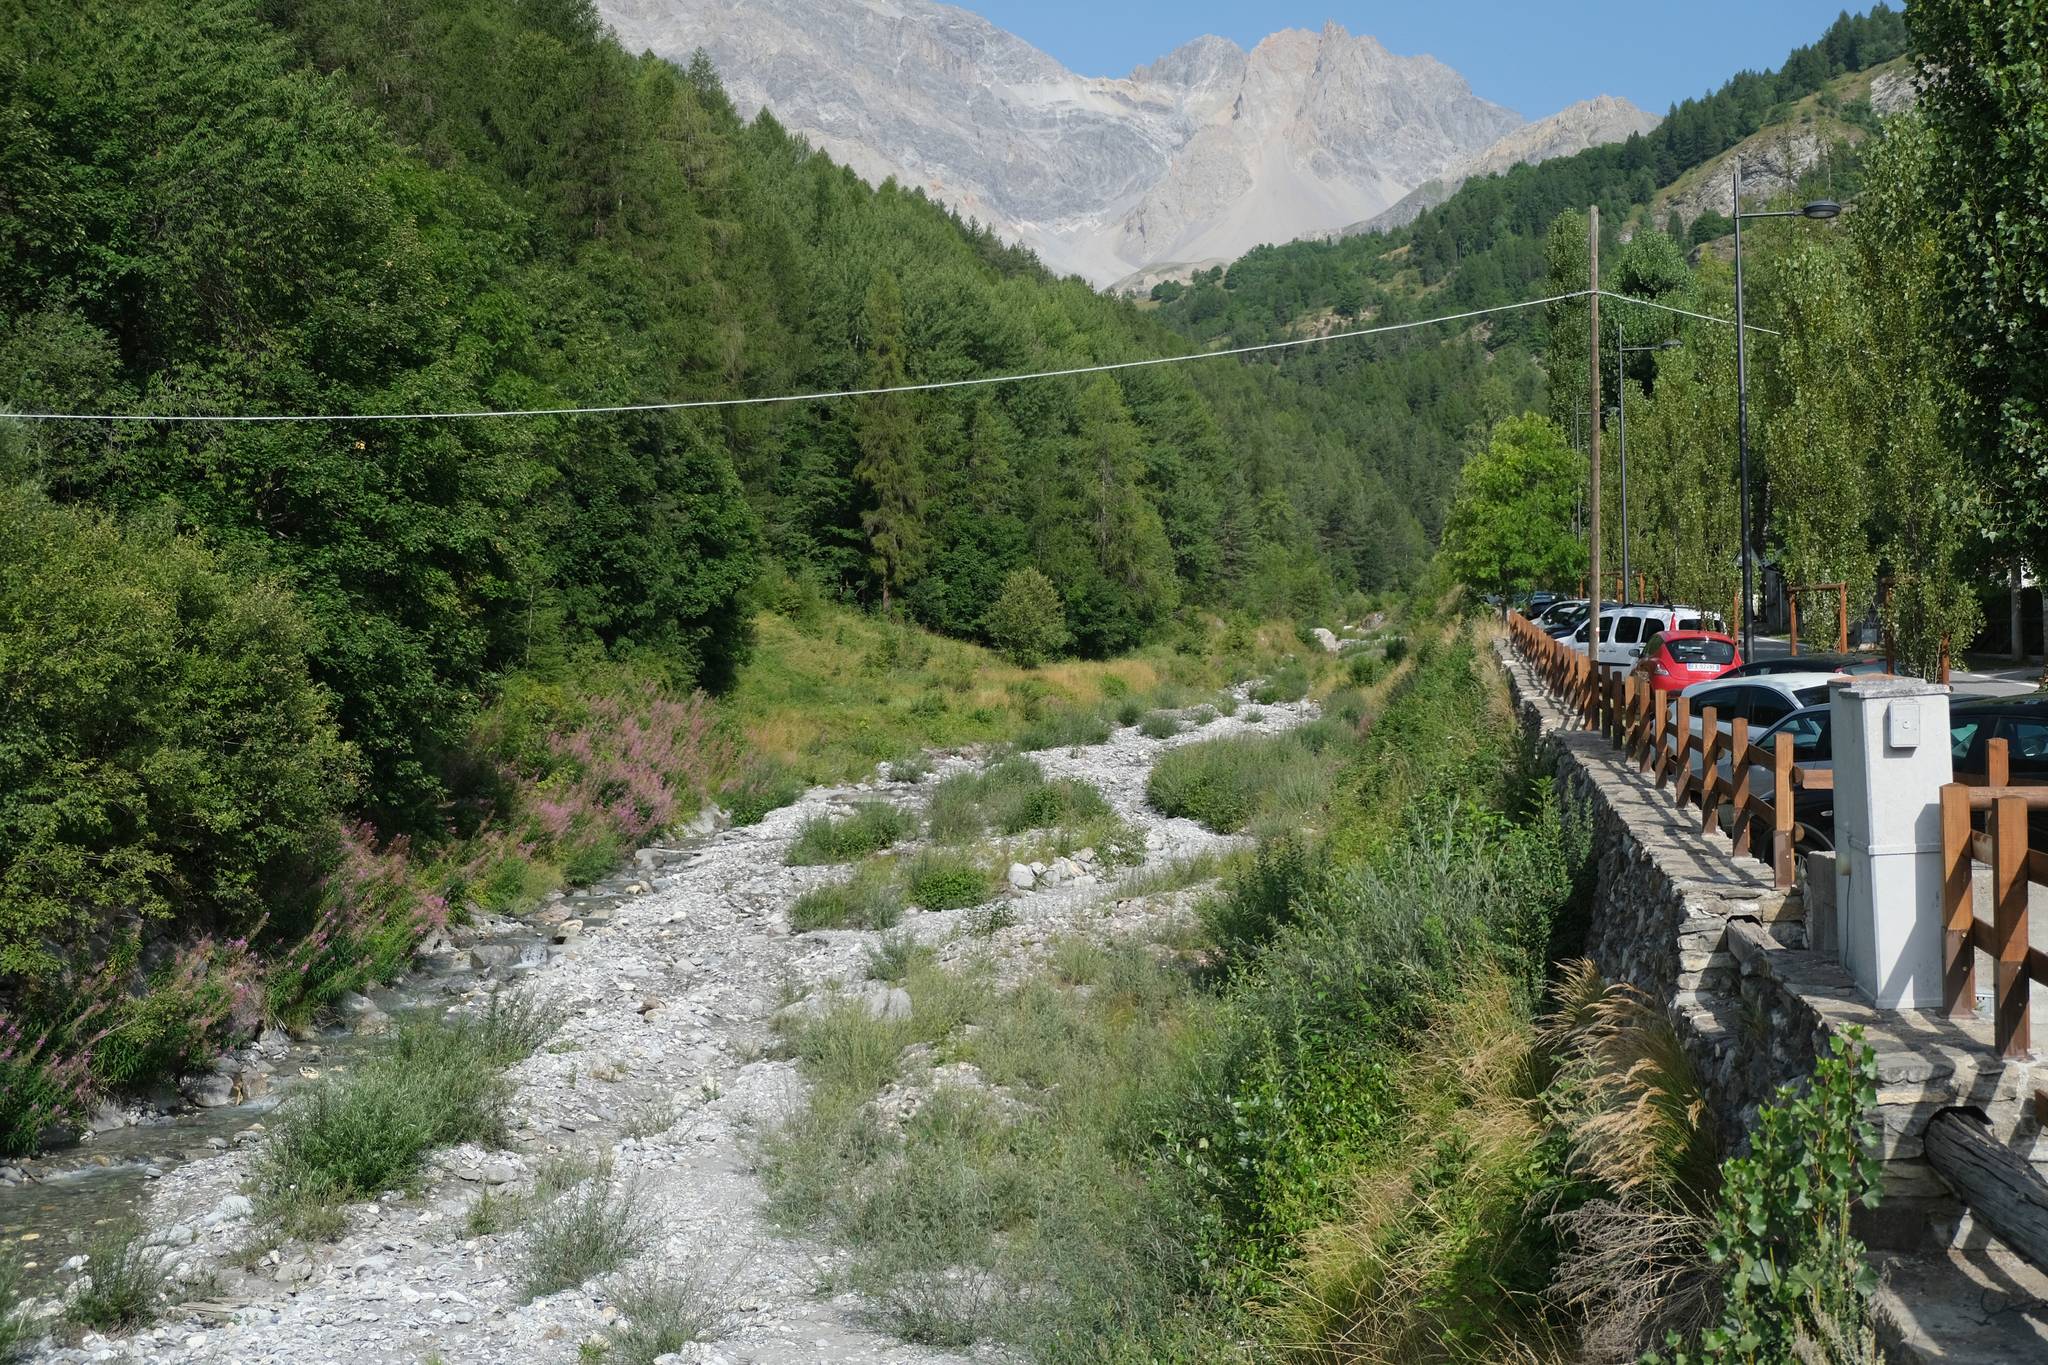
(1732, 959)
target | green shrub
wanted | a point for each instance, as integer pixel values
(1114, 687)
(1225, 703)
(1365, 669)
(1026, 622)
(1791, 1270)
(1129, 711)
(591, 1229)
(1261, 896)
(873, 826)
(866, 900)
(938, 880)
(167, 755)
(1395, 649)
(128, 1280)
(1159, 725)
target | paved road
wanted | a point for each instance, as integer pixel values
(1988, 682)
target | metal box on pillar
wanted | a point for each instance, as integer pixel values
(1891, 756)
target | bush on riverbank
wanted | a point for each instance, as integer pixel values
(353, 1137)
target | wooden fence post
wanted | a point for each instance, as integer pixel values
(1782, 823)
(1959, 954)
(1681, 747)
(1998, 764)
(1738, 767)
(1710, 768)
(2012, 1021)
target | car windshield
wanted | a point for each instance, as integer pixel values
(1810, 735)
(1701, 651)
(1812, 696)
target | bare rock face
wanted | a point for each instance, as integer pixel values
(1201, 155)
(1589, 123)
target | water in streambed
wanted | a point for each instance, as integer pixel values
(54, 1205)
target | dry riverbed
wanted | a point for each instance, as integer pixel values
(663, 1062)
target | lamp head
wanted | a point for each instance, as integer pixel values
(1671, 345)
(1822, 208)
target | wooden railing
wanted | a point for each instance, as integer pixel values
(1655, 731)
(2003, 845)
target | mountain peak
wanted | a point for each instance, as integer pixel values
(1206, 152)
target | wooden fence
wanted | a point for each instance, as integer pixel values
(1655, 731)
(1987, 823)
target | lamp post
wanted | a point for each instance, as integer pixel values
(1621, 430)
(1819, 208)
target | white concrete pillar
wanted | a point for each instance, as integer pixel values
(1891, 752)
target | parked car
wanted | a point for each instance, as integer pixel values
(2022, 722)
(1676, 659)
(1624, 628)
(1562, 618)
(1858, 664)
(1538, 603)
(1763, 702)
(1811, 728)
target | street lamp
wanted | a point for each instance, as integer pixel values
(1621, 431)
(1819, 208)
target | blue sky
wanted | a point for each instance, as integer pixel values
(1535, 56)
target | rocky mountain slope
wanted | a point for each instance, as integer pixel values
(1589, 123)
(1201, 155)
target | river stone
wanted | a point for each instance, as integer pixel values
(1327, 638)
(362, 1014)
(209, 1090)
(485, 956)
(1022, 877)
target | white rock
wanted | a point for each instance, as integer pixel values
(1022, 877)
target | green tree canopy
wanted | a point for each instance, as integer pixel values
(1510, 525)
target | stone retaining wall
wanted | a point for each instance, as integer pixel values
(1704, 933)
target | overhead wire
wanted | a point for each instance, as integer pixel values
(830, 395)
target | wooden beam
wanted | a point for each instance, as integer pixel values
(1995, 1182)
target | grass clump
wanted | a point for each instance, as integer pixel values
(125, 1283)
(351, 1138)
(872, 827)
(663, 1310)
(1159, 725)
(1287, 683)
(1221, 783)
(16, 1334)
(869, 899)
(941, 880)
(766, 786)
(589, 1229)
(1065, 727)
(895, 957)
(1011, 796)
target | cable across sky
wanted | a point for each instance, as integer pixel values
(681, 405)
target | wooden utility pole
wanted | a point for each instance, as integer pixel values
(1593, 429)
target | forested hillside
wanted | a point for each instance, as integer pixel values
(286, 684)
(346, 207)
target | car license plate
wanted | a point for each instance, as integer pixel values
(1702, 668)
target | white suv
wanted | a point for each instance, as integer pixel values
(1624, 631)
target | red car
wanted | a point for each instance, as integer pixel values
(1679, 658)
